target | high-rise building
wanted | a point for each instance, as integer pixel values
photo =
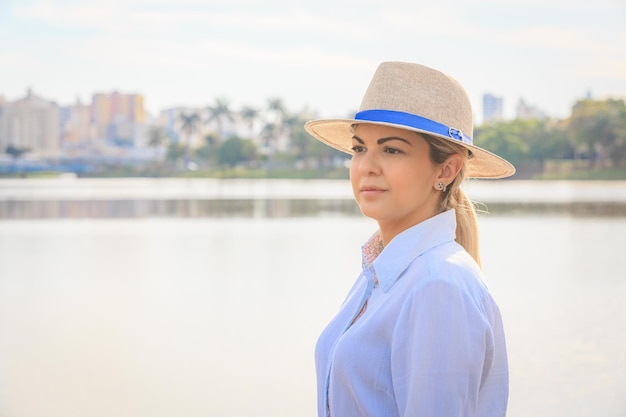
(118, 116)
(44, 128)
(76, 124)
(493, 107)
(31, 123)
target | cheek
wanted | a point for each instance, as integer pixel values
(353, 171)
(413, 181)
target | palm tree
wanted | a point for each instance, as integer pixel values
(217, 113)
(249, 115)
(274, 126)
(156, 136)
(277, 108)
(291, 124)
(189, 124)
(268, 135)
(292, 120)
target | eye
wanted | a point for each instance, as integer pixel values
(358, 149)
(392, 151)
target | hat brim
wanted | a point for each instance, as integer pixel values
(337, 133)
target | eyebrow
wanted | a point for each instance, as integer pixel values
(382, 140)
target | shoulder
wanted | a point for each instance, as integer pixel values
(450, 268)
(446, 286)
(452, 262)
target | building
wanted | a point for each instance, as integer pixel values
(45, 129)
(527, 112)
(493, 108)
(119, 118)
(77, 128)
(31, 123)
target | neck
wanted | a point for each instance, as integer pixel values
(392, 226)
(390, 230)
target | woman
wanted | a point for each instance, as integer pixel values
(418, 334)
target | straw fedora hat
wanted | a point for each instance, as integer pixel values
(421, 99)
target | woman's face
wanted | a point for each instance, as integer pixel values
(393, 178)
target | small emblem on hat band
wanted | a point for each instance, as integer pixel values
(414, 121)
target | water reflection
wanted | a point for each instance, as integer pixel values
(258, 208)
(248, 208)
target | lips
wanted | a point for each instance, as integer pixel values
(371, 188)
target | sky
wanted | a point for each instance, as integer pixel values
(318, 55)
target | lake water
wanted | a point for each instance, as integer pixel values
(213, 313)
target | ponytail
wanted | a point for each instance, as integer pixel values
(466, 219)
(455, 198)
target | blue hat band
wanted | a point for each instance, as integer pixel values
(414, 121)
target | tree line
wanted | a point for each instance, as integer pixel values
(592, 138)
(273, 137)
(271, 141)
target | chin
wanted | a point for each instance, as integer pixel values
(370, 212)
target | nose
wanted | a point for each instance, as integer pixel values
(367, 163)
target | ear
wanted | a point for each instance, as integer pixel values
(449, 169)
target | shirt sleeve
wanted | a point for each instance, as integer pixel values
(442, 346)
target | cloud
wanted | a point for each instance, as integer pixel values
(321, 52)
(75, 16)
(135, 17)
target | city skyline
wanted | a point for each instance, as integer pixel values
(150, 118)
(309, 55)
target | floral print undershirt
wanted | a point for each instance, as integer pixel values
(371, 249)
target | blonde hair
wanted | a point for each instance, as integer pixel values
(455, 198)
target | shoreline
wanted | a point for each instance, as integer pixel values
(483, 191)
(132, 198)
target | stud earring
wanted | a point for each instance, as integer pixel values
(442, 187)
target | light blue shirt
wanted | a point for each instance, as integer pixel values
(430, 341)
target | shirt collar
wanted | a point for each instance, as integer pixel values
(388, 262)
